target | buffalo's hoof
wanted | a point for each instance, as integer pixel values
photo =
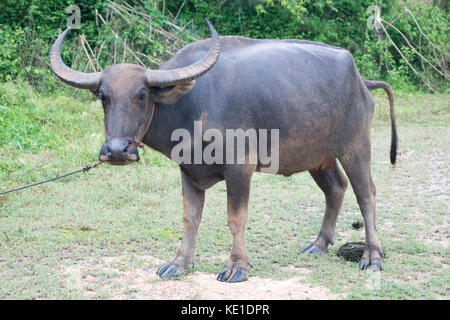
(313, 249)
(372, 260)
(238, 274)
(375, 265)
(169, 270)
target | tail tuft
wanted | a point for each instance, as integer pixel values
(393, 146)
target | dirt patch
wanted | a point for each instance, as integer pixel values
(111, 280)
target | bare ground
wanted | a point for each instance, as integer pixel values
(143, 283)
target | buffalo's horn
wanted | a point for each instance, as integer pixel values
(165, 78)
(74, 78)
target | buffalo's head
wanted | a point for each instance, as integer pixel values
(129, 93)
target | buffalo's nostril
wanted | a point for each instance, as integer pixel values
(117, 149)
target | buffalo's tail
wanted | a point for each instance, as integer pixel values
(371, 85)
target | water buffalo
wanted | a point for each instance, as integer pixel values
(311, 92)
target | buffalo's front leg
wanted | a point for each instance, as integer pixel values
(238, 189)
(193, 200)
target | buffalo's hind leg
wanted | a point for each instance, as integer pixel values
(333, 184)
(357, 167)
(193, 200)
(238, 189)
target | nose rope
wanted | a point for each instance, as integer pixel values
(138, 142)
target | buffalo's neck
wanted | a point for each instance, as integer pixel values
(167, 118)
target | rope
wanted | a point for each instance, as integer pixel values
(85, 169)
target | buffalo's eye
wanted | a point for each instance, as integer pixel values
(142, 96)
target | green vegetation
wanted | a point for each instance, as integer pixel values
(150, 31)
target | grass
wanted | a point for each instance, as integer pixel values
(136, 210)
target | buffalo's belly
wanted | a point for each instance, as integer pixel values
(296, 155)
(294, 162)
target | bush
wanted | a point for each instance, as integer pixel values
(342, 23)
(10, 59)
(115, 33)
(28, 28)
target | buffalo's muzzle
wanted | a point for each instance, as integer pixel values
(118, 151)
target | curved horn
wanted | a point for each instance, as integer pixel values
(165, 78)
(74, 78)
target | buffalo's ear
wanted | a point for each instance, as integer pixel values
(170, 95)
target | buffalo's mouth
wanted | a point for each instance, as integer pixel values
(118, 152)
